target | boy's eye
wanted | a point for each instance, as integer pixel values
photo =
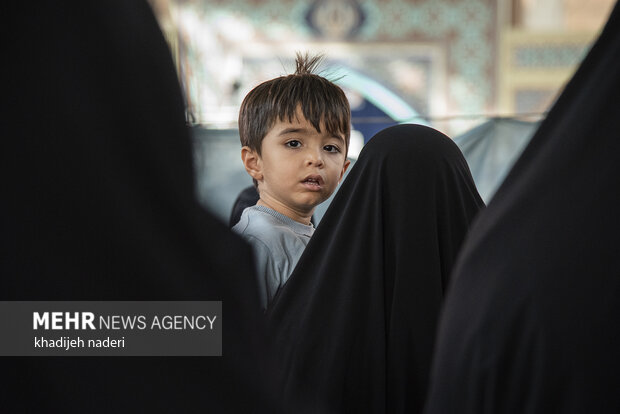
(331, 148)
(293, 144)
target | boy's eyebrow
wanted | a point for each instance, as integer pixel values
(293, 130)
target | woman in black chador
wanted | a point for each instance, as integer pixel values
(99, 204)
(532, 321)
(355, 324)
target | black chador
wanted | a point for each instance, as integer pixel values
(98, 204)
(532, 320)
(355, 323)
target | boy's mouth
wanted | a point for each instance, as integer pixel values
(313, 181)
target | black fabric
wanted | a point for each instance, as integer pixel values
(532, 320)
(98, 204)
(355, 323)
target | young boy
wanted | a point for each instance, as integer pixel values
(295, 135)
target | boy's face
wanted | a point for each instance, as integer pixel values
(298, 168)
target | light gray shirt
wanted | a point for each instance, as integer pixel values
(278, 242)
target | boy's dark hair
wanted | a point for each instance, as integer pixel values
(278, 99)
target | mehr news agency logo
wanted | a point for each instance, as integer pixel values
(88, 321)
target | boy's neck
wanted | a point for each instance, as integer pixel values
(288, 212)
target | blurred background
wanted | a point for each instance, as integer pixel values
(484, 72)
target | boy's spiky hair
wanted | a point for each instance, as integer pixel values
(320, 100)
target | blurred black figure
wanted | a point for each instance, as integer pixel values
(532, 320)
(355, 324)
(98, 204)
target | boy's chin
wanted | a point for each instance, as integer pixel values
(311, 203)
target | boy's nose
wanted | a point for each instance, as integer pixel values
(314, 157)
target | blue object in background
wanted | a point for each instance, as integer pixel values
(492, 148)
(368, 119)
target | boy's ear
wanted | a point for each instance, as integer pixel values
(252, 162)
(344, 169)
